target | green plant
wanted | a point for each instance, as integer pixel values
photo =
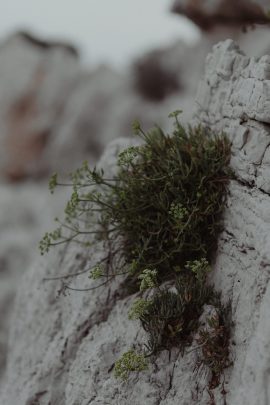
(129, 362)
(172, 316)
(139, 308)
(214, 342)
(159, 218)
(165, 202)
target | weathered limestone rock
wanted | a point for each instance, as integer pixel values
(25, 210)
(234, 97)
(35, 80)
(62, 350)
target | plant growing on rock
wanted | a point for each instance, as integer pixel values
(172, 315)
(129, 362)
(214, 342)
(165, 202)
(160, 216)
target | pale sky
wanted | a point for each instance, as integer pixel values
(112, 31)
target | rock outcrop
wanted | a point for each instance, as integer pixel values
(25, 210)
(62, 350)
(208, 14)
(35, 80)
(54, 114)
(50, 108)
(234, 97)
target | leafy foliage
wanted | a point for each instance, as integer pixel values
(165, 202)
(129, 362)
(160, 216)
(171, 197)
(139, 308)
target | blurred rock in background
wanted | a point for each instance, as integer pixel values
(35, 80)
(53, 114)
(208, 14)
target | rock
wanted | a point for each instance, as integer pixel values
(210, 13)
(233, 97)
(35, 80)
(54, 114)
(246, 22)
(25, 211)
(52, 122)
(165, 73)
(242, 84)
(62, 350)
(71, 333)
(150, 71)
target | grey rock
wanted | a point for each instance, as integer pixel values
(54, 113)
(62, 350)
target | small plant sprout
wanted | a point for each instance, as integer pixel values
(136, 127)
(175, 115)
(178, 212)
(148, 279)
(53, 183)
(72, 205)
(127, 156)
(129, 362)
(214, 341)
(97, 272)
(200, 268)
(133, 267)
(50, 239)
(139, 308)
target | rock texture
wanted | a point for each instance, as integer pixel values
(241, 109)
(62, 350)
(234, 97)
(25, 210)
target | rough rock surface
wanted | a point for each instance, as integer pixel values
(234, 97)
(25, 210)
(241, 108)
(62, 349)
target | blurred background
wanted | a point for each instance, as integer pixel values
(73, 77)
